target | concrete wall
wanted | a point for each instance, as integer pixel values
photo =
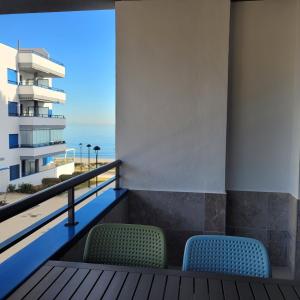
(262, 173)
(263, 118)
(172, 65)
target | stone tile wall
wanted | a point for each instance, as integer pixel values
(268, 217)
(179, 214)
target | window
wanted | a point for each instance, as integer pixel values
(13, 141)
(47, 160)
(30, 167)
(12, 76)
(41, 137)
(12, 108)
(14, 172)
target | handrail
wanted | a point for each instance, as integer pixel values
(33, 115)
(11, 210)
(41, 145)
(29, 83)
(55, 241)
(41, 55)
(39, 224)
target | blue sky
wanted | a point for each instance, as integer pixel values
(85, 43)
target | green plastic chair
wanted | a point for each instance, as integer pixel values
(126, 244)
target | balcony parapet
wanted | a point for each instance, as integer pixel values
(29, 120)
(35, 62)
(60, 237)
(40, 150)
(42, 145)
(33, 115)
(33, 91)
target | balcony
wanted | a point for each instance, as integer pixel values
(39, 150)
(34, 62)
(54, 272)
(54, 171)
(45, 120)
(32, 91)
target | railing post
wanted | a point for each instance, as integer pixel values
(117, 178)
(71, 210)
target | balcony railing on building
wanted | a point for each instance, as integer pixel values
(64, 234)
(32, 82)
(41, 55)
(51, 143)
(40, 115)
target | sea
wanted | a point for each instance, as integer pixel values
(96, 135)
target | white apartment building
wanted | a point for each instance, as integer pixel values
(31, 134)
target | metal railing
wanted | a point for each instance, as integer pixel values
(42, 144)
(33, 83)
(31, 114)
(41, 55)
(11, 210)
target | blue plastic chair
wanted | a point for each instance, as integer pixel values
(226, 254)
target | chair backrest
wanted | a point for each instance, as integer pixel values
(226, 254)
(126, 244)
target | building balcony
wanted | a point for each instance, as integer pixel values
(39, 150)
(44, 120)
(54, 171)
(34, 62)
(31, 91)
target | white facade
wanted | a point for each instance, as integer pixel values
(30, 132)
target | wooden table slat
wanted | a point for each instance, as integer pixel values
(186, 288)
(259, 291)
(29, 284)
(244, 290)
(273, 291)
(58, 285)
(158, 287)
(101, 285)
(115, 286)
(43, 285)
(73, 280)
(288, 292)
(297, 289)
(130, 286)
(143, 289)
(215, 289)
(87, 285)
(230, 290)
(201, 289)
(71, 287)
(172, 288)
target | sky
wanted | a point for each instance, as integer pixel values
(85, 43)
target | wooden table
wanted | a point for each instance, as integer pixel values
(70, 280)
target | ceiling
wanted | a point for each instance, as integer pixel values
(30, 6)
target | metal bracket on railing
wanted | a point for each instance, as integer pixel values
(117, 187)
(71, 210)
